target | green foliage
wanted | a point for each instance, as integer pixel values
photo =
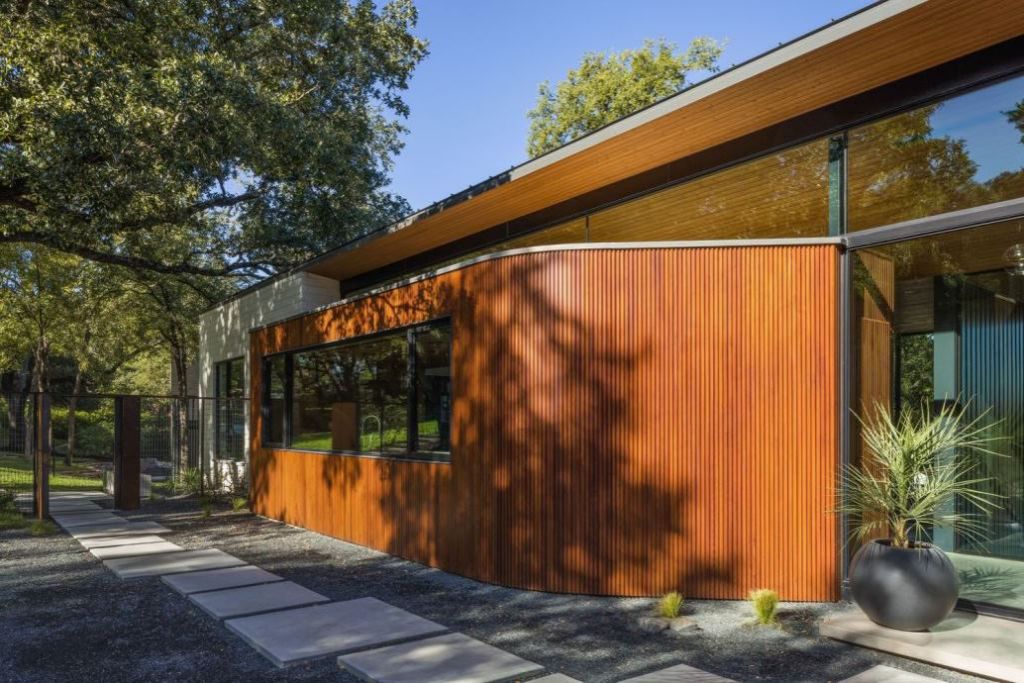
(606, 87)
(206, 505)
(211, 137)
(907, 485)
(670, 605)
(43, 527)
(190, 481)
(238, 504)
(12, 520)
(765, 603)
(7, 501)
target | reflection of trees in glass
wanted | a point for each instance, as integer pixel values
(900, 169)
(916, 374)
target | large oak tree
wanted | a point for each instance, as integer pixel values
(212, 137)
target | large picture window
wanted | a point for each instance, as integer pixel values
(387, 395)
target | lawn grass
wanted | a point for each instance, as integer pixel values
(16, 475)
(12, 520)
(369, 442)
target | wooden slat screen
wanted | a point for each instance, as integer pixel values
(625, 421)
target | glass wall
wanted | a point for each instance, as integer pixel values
(383, 395)
(939, 318)
(780, 195)
(965, 151)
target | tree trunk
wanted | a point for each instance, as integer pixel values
(180, 357)
(69, 458)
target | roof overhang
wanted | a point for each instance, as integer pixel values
(877, 45)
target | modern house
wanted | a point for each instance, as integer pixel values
(629, 366)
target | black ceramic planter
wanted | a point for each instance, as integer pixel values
(909, 589)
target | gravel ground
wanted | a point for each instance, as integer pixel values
(64, 617)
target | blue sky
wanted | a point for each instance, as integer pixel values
(470, 96)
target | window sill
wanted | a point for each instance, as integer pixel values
(439, 458)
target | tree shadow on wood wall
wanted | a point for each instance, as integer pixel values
(556, 481)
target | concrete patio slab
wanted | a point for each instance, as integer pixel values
(76, 506)
(219, 579)
(171, 563)
(112, 541)
(299, 635)
(680, 673)
(267, 597)
(976, 644)
(121, 528)
(887, 674)
(554, 678)
(137, 550)
(452, 658)
(89, 519)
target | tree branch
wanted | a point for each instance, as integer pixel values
(236, 268)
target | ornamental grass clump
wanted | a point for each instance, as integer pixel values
(765, 603)
(238, 504)
(670, 605)
(918, 467)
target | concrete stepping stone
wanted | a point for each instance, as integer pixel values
(887, 674)
(299, 635)
(171, 563)
(112, 541)
(74, 506)
(445, 659)
(121, 528)
(137, 550)
(267, 597)
(554, 678)
(219, 579)
(88, 519)
(680, 673)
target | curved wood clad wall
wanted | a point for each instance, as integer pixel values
(625, 421)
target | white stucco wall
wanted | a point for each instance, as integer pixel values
(224, 330)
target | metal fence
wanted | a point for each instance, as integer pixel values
(193, 443)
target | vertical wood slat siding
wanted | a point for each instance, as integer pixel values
(625, 421)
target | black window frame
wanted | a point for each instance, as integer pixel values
(227, 363)
(409, 333)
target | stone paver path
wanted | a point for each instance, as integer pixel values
(887, 674)
(267, 597)
(171, 563)
(70, 521)
(680, 673)
(336, 628)
(219, 579)
(121, 528)
(135, 550)
(288, 623)
(111, 541)
(452, 658)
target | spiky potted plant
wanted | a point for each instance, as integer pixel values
(918, 468)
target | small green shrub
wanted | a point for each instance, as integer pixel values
(239, 504)
(670, 605)
(43, 527)
(7, 502)
(189, 481)
(765, 603)
(206, 505)
(12, 520)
